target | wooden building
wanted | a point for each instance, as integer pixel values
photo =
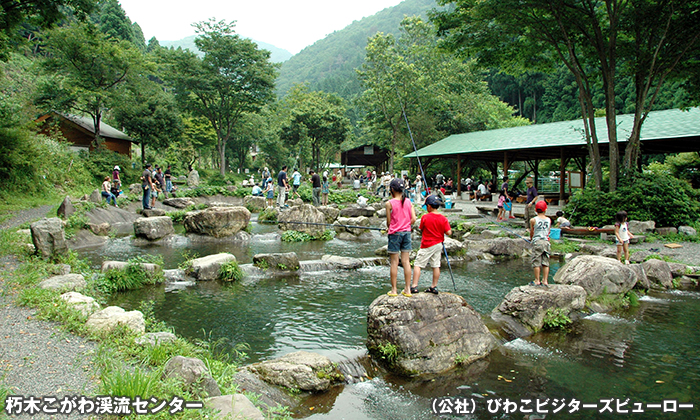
(80, 132)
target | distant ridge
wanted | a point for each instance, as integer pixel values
(277, 55)
(329, 64)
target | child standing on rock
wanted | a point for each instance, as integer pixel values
(622, 236)
(539, 237)
(400, 217)
(434, 227)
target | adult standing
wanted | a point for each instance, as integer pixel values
(146, 186)
(325, 190)
(296, 182)
(168, 181)
(419, 190)
(531, 198)
(282, 186)
(116, 180)
(265, 175)
(315, 188)
(158, 185)
(439, 179)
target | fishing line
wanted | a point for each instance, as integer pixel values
(325, 224)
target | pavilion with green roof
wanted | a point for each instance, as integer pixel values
(668, 131)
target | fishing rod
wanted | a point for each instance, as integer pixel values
(425, 180)
(504, 228)
(326, 224)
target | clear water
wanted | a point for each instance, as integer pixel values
(647, 354)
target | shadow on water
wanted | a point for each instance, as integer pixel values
(647, 354)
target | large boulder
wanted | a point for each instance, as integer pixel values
(283, 261)
(236, 406)
(342, 263)
(331, 213)
(642, 280)
(66, 209)
(49, 238)
(523, 310)
(430, 333)
(357, 211)
(102, 229)
(677, 269)
(120, 221)
(85, 304)
(153, 212)
(342, 224)
(300, 370)
(113, 316)
(207, 268)
(501, 247)
(193, 372)
(151, 270)
(218, 222)
(659, 273)
(64, 282)
(597, 275)
(269, 396)
(254, 204)
(179, 202)
(305, 213)
(640, 228)
(95, 197)
(193, 179)
(153, 228)
(687, 230)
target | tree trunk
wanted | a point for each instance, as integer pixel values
(222, 156)
(143, 153)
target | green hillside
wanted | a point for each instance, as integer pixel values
(277, 55)
(330, 63)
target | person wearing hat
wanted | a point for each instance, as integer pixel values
(434, 226)
(147, 186)
(531, 197)
(116, 181)
(539, 238)
(418, 189)
(400, 217)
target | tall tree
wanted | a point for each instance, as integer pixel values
(233, 77)
(89, 71)
(315, 117)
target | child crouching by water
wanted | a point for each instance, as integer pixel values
(622, 236)
(400, 217)
(539, 237)
(434, 226)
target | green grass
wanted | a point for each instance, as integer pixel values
(565, 246)
(230, 271)
(556, 318)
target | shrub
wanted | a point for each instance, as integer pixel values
(388, 352)
(268, 215)
(230, 271)
(133, 277)
(648, 196)
(556, 318)
(296, 236)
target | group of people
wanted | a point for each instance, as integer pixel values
(112, 189)
(400, 216)
(320, 188)
(153, 183)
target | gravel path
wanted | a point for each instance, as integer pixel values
(23, 216)
(36, 357)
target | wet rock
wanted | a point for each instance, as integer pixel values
(254, 204)
(156, 338)
(454, 247)
(101, 229)
(236, 406)
(218, 222)
(109, 318)
(597, 275)
(522, 312)
(666, 230)
(342, 263)
(639, 228)
(429, 331)
(357, 211)
(64, 282)
(174, 275)
(151, 270)
(300, 370)
(331, 213)
(642, 280)
(659, 273)
(193, 372)
(49, 238)
(207, 268)
(351, 221)
(270, 396)
(305, 213)
(153, 212)
(179, 202)
(686, 283)
(85, 304)
(502, 247)
(153, 228)
(86, 239)
(66, 209)
(687, 230)
(281, 262)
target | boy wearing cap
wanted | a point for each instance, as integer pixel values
(539, 238)
(434, 227)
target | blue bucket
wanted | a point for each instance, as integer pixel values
(554, 233)
(424, 208)
(448, 204)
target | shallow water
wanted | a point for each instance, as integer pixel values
(647, 354)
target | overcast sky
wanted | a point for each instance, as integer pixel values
(291, 25)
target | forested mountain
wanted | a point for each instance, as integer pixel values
(330, 63)
(278, 55)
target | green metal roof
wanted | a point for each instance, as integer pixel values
(670, 131)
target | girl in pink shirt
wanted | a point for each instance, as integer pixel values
(400, 217)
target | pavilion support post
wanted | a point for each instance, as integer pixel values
(458, 179)
(506, 164)
(536, 172)
(562, 175)
(583, 172)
